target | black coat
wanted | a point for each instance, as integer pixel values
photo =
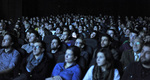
(135, 71)
(40, 72)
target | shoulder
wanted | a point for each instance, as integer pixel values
(25, 45)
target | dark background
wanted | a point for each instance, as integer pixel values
(17, 8)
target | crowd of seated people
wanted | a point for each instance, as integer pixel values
(75, 47)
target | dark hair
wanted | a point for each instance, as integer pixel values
(59, 42)
(35, 32)
(106, 35)
(147, 44)
(75, 50)
(109, 73)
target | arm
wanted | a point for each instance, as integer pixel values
(77, 74)
(88, 75)
(12, 64)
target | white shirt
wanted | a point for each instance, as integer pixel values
(89, 74)
(135, 57)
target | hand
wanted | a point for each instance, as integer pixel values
(57, 78)
(50, 78)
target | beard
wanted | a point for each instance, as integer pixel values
(145, 62)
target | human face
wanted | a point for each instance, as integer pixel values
(111, 33)
(74, 35)
(54, 44)
(95, 28)
(64, 36)
(127, 32)
(32, 38)
(145, 55)
(137, 45)
(37, 49)
(58, 30)
(132, 36)
(1, 26)
(6, 42)
(78, 43)
(104, 41)
(69, 57)
(27, 35)
(101, 60)
(93, 34)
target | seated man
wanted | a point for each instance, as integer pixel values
(37, 66)
(139, 70)
(56, 48)
(8, 56)
(65, 38)
(133, 54)
(33, 38)
(81, 44)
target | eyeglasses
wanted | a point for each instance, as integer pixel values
(36, 47)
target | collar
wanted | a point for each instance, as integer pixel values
(69, 66)
(7, 51)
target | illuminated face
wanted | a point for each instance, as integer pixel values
(145, 55)
(93, 35)
(78, 43)
(101, 60)
(111, 33)
(54, 44)
(69, 56)
(6, 42)
(37, 49)
(104, 41)
(32, 37)
(137, 45)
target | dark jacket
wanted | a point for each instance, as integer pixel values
(127, 58)
(40, 72)
(135, 71)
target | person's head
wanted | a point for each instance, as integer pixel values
(80, 43)
(55, 43)
(71, 27)
(95, 28)
(137, 44)
(74, 34)
(80, 28)
(93, 34)
(104, 58)
(1, 26)
(58, 30)
(72, 54)
(111, 32)
(141, 34)
(132, 36)
(8, 41)
(105, 40)
(65, 35)
(145, 54)
(127, 31)
(33, 36)
(39, 48)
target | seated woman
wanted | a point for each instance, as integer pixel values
(67, 70)
(103, 69)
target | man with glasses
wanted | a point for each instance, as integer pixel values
(37, 66)
(139, 70)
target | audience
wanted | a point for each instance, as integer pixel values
(122, 36)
